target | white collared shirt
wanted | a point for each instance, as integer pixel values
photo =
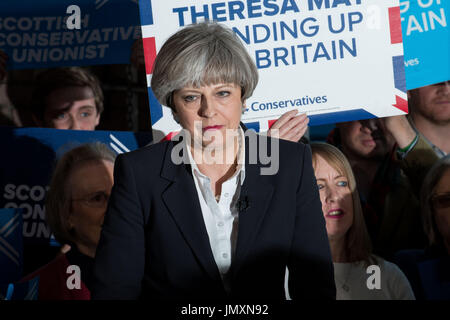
(221, 218)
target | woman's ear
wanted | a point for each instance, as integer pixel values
(244, 107)
(175, 117)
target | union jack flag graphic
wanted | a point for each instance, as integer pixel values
(11, 259)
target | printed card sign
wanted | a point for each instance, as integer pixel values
(336, 60)
(426, 37)
(36, 35)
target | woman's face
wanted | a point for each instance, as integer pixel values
(91, 185)
(441, 205)
(336, 198)
(208, 112)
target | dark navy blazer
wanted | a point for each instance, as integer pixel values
(154, 242)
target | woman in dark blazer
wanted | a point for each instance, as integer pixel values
(211, 214)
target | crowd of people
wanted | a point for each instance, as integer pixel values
(376, 193)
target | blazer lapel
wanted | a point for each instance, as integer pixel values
(182, 202)
(259, 195)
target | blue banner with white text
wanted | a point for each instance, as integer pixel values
(426, 41)
(46, 34)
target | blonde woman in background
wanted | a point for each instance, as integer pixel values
(347, 234)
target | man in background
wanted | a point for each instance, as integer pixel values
(389, 160)
(430, 115)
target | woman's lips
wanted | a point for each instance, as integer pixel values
(335, 214)
(217, 127)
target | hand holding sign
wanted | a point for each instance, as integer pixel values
(400, 129)
(291, 126)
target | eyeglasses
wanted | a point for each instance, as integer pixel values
(440, 201)
(95, 200)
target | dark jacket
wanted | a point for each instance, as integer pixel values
(154, 242)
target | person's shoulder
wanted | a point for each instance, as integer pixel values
(51, 271)
(388, 268)
(394, 280)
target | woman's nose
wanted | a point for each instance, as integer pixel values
(207, 107)
(332, 195)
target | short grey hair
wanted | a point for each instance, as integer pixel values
(429, 184)
(58, 201)
(202, 54)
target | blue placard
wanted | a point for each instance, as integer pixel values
(27, 164)
(35, 35)
(426, 41)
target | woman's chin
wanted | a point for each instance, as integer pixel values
(212, 146)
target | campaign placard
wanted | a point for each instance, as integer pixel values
(27, 164)
(335, 60)
(36, 34)
(426, 38)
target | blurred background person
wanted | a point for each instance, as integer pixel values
(389, 161)
(428, 270)
(67, 98)
(75, 207)
(347, 234)
(430, 115)
(8, 113)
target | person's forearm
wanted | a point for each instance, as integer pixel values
(401, 130)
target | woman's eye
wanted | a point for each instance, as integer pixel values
(99, 197)
(342, 183)
(320, 186)
(223, 93)
(189, 98)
